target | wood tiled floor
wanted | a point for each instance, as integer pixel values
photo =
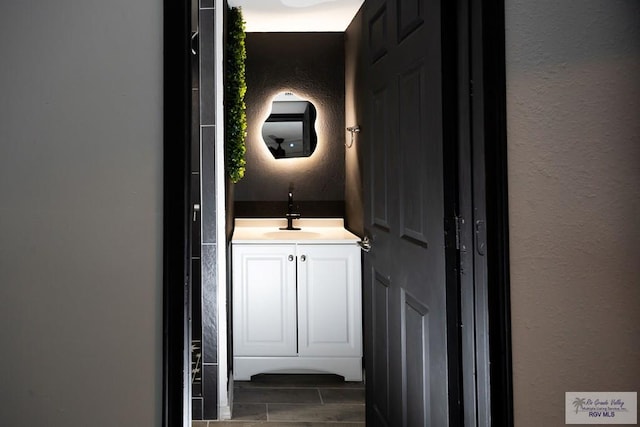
(295, 401)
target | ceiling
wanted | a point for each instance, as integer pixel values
(297, 15)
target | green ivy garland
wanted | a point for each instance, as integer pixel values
(235, 88)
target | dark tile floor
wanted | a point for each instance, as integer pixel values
(295, 401)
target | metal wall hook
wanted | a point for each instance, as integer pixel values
(352, 130)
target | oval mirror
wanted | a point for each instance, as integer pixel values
(290, 130)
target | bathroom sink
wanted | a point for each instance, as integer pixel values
(322, 230)
(292, 234)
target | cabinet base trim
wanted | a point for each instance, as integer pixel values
(348, 367)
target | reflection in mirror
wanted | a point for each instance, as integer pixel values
(289, 131)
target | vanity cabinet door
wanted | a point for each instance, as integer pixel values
(329, 301)
(264, 300)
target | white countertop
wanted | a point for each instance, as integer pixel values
(312, 230)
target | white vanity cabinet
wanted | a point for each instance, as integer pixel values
(264, 300)
(329, 301)
(297, 307)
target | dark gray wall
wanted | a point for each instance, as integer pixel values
(312, 66)
(81, 213)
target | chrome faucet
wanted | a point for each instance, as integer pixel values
(290, 215)
(290, 211)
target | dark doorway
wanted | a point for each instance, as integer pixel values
(433, 98)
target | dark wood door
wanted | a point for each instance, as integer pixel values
(404, 273)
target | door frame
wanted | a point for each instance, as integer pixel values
(488, 26)
(482, 379)
(176, 401)
(485, 40)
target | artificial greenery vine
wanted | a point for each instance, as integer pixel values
(235, 88)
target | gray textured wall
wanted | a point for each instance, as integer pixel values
(312, 66)
(80, 213)
(573, 101)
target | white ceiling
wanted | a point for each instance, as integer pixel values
(297, 15)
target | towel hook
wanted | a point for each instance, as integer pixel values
(352, 130)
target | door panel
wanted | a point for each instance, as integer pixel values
(413, 170)
(406, 322)
(378, 370)
(409, 17)
(379, 160)
(415, 346)
(378, 33)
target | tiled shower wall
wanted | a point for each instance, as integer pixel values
(204, 295)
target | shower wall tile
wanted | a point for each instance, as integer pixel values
(207, 58)
(210, 382)
(196, 233)
(195, 130)
(208, 254)
(197, 408)
(209, 305)
(208, 185)
(196, 299)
